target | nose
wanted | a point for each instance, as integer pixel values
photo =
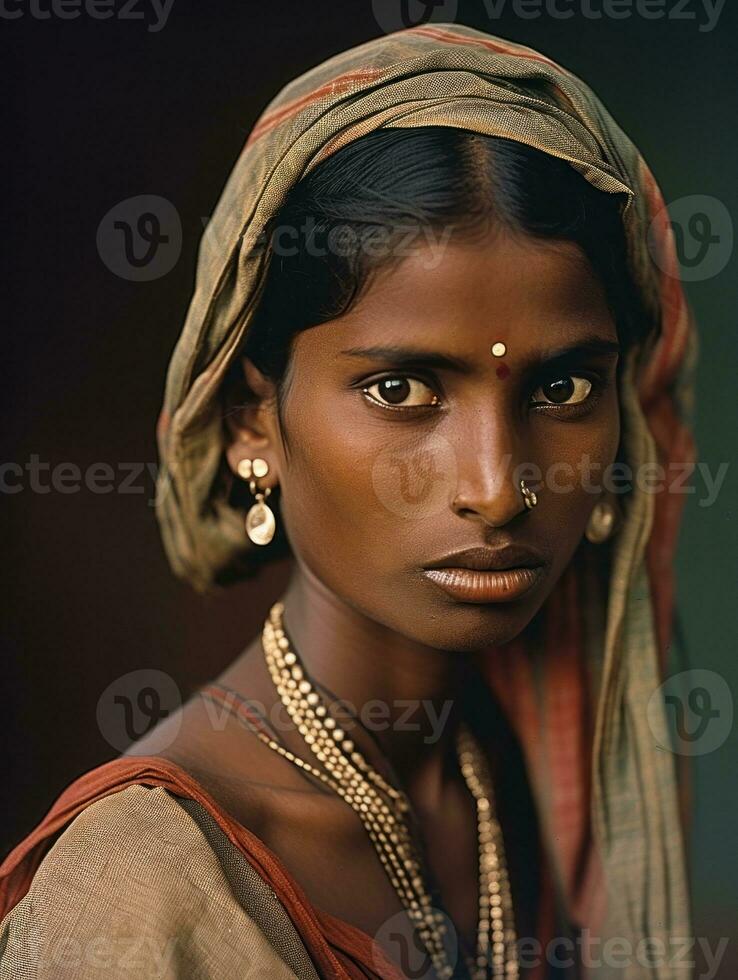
(488, 484)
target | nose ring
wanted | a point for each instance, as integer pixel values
(530, 497)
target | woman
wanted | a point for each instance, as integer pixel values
(437, 301)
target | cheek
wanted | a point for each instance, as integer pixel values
(573, 458)
(329, 501)
(576, 444)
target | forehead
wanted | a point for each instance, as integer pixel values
(462, 297)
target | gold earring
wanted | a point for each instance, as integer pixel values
(260, 522)
(530, 496)
(601, 522)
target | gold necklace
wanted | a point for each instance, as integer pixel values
(382, 810)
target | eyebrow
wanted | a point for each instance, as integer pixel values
(591, 345)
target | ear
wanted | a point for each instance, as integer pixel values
(251, 421)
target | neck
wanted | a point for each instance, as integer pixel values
(406, 695)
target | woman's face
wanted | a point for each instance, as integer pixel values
(408, 437)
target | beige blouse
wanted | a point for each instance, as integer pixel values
(144, 884)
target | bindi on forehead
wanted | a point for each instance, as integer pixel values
(499, 350)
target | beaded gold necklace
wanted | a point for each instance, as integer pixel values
(383, 811)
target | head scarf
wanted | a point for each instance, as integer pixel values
(607, 790)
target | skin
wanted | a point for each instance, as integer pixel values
(363, 619)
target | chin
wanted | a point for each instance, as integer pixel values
(451, 622)
(473, 628)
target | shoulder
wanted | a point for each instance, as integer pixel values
(132, 887)
(134, 829)
(209, 738)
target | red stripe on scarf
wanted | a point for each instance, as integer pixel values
(337, 85)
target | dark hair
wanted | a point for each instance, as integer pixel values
(377, 186)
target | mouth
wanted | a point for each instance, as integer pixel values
(482, 575)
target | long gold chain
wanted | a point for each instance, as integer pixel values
(382, 809)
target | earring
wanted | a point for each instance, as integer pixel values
(260, 523)
(530, 497)
(601, 522)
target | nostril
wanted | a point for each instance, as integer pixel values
(497, 508)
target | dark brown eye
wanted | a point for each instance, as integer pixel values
(559, 391)
(396, 389)
(567, 390)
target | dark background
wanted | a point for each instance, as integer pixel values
(106, 110)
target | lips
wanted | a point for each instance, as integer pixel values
(483, 574)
